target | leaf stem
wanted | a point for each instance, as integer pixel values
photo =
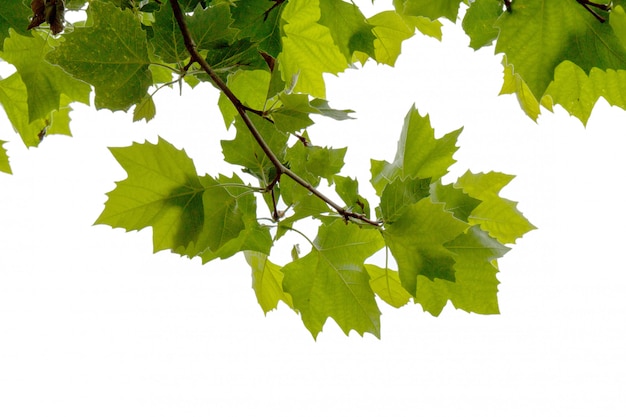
(242, 110)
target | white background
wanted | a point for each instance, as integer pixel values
(93, 324)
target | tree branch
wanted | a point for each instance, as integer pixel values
(242, 110)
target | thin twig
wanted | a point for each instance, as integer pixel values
(281, 169)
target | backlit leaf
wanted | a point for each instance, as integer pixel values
(419, 154)
(475, 287)
(416, 240)
(496, 215)
(120, 72)
(4, 159)
(309, 50)
(44, 82)
(267, 281)
(540, 34)
(331, 280)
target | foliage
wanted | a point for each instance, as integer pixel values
(268, 60)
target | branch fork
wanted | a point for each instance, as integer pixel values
(243, 110)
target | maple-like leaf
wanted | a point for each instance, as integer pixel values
(416, 240)
(14, 15)
(540, 34)
(120, 73)
(456, 201)
(475, 286)
(162, 191)
(496, 215)
(309, 50)
(331, 280)
(44, 82)
(13, 97)
(419, 154)
(167, 41)
(479, 21)
(211, 26)
(400, 194)
(245, 151)
(260, 21)
(390, 30)
(578, 92)
(348, 27)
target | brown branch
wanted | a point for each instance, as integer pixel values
(281, 169)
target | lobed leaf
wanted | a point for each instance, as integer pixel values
(45, 83)
(475, 286)
(120, 71)
(479, 21)
(416, 240)
(349, 29)
(309, 50)
(331, 280)
(540, 34)
(496, 215)
(419, 154)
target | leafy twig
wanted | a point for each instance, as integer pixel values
(281, 169)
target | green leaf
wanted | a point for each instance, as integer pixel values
(13, 97)
(386, 284)
(331, 280)
(293, 115)
(496, 215)
(541, 34)
(456, 201)
(245, 151)
(419, 154)
(44, 82)
(390, 30)
(578, 92)
(229, 209)
(211, 27)
(322, 107)
(227, 59)
(120, 73)
(416, 240)
(514, 84)
(432, 9)
(167, 41)
(254, 238)
(267, 281)
(4, 159)
(260, 21)
(399, 194)
(348, 190)
(315, 162)
(479, 22)
(162, 191)
(13, 15)
(348, 27)
(250, 87)
(309, 50)
(145, 109)
(475, 287)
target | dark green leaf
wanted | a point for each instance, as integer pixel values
(416, 240)
(475, 288)
(119, 72)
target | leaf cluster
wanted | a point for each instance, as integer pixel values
(440, 241)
